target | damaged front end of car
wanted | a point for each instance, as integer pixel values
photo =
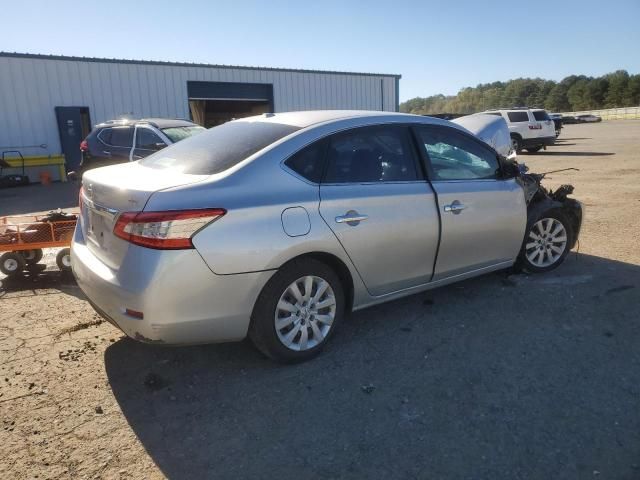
(540, 199)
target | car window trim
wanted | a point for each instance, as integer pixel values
(432, 177)
(405, 132)
(407, 126)
(113, 128)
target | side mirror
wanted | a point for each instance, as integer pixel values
(159, 146)
(511, 168)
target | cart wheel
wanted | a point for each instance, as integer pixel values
(12, 263)
(63, 259)
(32, 256)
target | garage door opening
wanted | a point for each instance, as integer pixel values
(214, 103)
(210, 113)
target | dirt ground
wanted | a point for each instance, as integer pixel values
(504, 376)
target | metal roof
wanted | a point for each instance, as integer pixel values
(184, 64)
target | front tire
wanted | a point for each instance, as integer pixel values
(547, 243)
(534, 149)
(297, 311)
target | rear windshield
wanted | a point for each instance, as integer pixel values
(540, 115)
(219, 148)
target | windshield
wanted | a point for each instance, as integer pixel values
(218, 148)
(176, 134)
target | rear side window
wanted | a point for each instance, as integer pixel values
(104, 136)
(540, 115)
(309, 162)
(122, 137)
(371, 154)
(219, 148)
(497, 114)
(518, 116)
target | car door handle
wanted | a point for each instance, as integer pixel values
(351, 218)
(107, 153)
(137, 157)
(455, 207)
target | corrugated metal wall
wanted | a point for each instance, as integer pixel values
(30, 88)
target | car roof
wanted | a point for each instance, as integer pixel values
(313, 117)
(155, 122)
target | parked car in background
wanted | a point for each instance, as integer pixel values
(117, 141)
(568, 119)
(588, 118)
(528, 131)
(276, 226)
(557, 121)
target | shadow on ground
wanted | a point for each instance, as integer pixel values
(36, 280)
(573, 154)
(496, 377)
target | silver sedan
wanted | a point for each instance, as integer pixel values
(276, 226)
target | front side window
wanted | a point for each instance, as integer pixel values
(516, 117)
(454, 156)
(148, 140)
(371, 154)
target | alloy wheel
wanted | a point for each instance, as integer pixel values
(305, 313)
(546, 243)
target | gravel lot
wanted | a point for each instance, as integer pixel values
(497, 377)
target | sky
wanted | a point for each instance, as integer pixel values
(437, 46)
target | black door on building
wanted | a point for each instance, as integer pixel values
(74, 124)
(214, 103)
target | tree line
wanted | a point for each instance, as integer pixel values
(573, 93)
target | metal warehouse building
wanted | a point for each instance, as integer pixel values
(49, 103)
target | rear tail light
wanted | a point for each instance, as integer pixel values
(170, 230)
(84, 146)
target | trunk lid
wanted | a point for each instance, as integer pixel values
(109, 191)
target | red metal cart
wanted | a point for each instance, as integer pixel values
(23, 237)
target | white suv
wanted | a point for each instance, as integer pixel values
(530, 129)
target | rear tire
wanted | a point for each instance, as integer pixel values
(12, 263)
(290, 324)
(516, 143)
(63, 259)
(31, 257)
(547, 243)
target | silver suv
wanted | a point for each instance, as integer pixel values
(530, 129)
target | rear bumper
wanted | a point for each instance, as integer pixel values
(538, 141)
(183, 302)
